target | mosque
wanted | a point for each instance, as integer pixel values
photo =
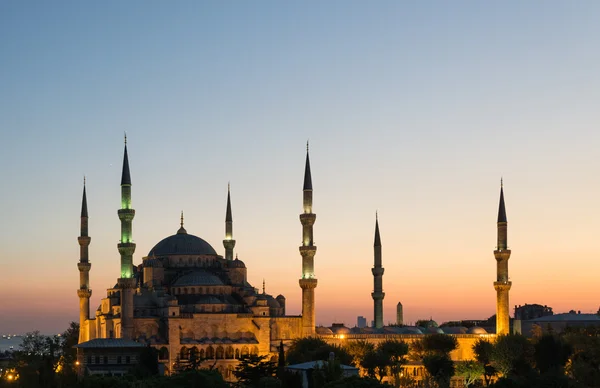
(187, 300)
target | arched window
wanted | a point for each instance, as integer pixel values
(202, 354)
(163, 353)
(245, 351)
(184, 354)
(220, 352)
(255, 350)
(229, 352)
(194, 353)
(210, 353)
(237, 353)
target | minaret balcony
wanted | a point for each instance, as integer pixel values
(84, 240)
(126, 214)
(308, 283)
(308, 219)
(502, 286)
(84, 293)
(84, 266)
(377, 271)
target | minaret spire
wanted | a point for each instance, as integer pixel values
(229, 242)
(502, 284)
(308, 282)
(181, 228)
(126, 248)
(377, 271)
(84, 292)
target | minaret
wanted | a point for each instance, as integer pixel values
(399, 314)
(502, 284)
(229, 242)
(308, 283)
(126, 248)
(84, 293)
(377, 270)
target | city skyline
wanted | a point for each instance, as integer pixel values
(409, 113)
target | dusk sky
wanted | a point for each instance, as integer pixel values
(413, 109)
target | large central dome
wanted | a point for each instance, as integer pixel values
(182, 244)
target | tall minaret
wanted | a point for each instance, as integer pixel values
(502, 284)
(377, 270)
(126, 247)
(229, 242)
(308, 283)
(84, 293)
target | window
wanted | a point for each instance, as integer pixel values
(89, 359)
(118, 359)
(105, 359)
(97, 361)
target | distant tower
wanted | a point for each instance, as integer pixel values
(308, 283)
(84, 293)
(399, 314)
(377, 270)
(229, 242)
(502, 284)
(126, 283)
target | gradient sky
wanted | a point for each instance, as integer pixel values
(414, 109)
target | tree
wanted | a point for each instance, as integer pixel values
(551, 354)
(440, 367)
(252, 368)
(384, 360)
(439, 343)
(512, 355)
(483, 355)
(584, 364)
(312, 349)
(470, 370)
(358, 350)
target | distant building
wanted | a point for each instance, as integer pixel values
(361, 322)
(532, 311)
(557, 323)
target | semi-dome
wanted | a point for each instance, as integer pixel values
(323, 330)
(182, 244)
(237, 263)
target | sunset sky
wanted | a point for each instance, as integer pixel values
(413, 109)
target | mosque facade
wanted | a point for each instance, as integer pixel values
(186, 300)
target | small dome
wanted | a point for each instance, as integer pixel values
(198, 278)
(323, 330)
(340, 329)
(454, 330)
(431, 323)
(434, 330)
(182, 244)
(476, 330)
(392, 329)
(411, 330)
(236, 264)
(280, 297)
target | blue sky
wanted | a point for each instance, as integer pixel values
(414, 109)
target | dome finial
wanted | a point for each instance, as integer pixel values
(125, 134)
(181, 229)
